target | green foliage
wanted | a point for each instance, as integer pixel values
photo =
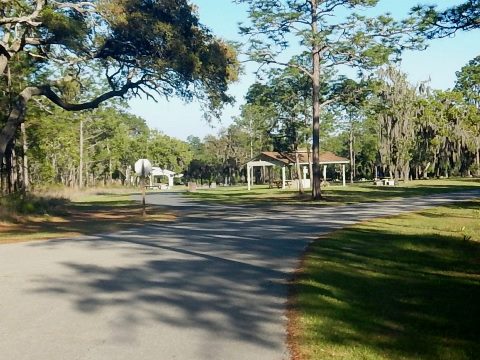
(29, 204)
(344, 36)
(82, 54)
(53, 146)
(165, 41)
(280, 108)
(168, 153)
(64, 28)
(468, 81)
(327, 35)
(438, 24)
(113, 141)
(400, 128)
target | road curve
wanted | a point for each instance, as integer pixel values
(210, 285)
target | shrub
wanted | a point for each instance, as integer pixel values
(30, 204)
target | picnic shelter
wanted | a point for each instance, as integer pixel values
(268, 160)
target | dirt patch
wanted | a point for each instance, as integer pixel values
(294, 330)
(78, 221)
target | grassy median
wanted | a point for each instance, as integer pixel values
(333, 194)
(404, 287)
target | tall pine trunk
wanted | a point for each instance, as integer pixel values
(316, 180)
(352, 156)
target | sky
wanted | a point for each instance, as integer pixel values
(438, 63)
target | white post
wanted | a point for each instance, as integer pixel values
(324, 172)
(343, 174)
(304, 179)
(248, 177)
(283, 177)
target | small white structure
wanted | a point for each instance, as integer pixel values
(157, 171)
(285, 160)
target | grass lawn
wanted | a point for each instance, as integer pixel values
(404, 287)
(46, 217)
(333, 195)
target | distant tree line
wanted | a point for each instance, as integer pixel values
(67, 68)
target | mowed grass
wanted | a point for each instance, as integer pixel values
(405, 287)
(334, 194)
(69, 215)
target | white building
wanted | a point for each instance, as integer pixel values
(157, 172)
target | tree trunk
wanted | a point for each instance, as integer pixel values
(299, 173)
(80, 166)
(354, 159)
(478, 161)
(352, 156)
(16, 117)
(3, 63)
(8, 169)
(406, 172)
(316, 179)
(15, 169)
(26, 178)
(128, 180)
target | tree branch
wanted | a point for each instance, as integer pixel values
(28, 19)
(47, 91)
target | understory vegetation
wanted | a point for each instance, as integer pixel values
(67, 213)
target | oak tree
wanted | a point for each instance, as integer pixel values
(84, 53)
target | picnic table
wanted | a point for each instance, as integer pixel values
(384, 182)
(158, 187)
(279, 183)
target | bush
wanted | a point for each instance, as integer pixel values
(475, 169)
(178, 181)
(30, 204)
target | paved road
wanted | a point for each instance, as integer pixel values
(210, 285)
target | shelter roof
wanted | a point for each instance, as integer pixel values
(157, 171)
(326, 157)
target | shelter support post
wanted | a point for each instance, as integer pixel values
(248, 177)
(283, 177)
(324, 172)
(343, 174)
